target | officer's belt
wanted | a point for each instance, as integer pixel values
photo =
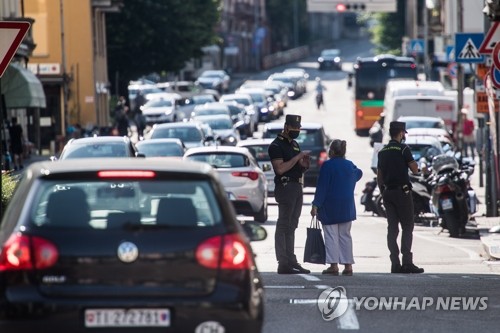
(285, 179)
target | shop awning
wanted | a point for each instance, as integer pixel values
(21, 88)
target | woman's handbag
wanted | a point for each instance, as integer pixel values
(314, 251)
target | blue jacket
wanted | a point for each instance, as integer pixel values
(334, 195)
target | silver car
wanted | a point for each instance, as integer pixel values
(258, 148)
(244, 181)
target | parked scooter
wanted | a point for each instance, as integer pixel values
(368, 199)
(453, 200)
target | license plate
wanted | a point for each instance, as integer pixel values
(447, 204)
(127, 318)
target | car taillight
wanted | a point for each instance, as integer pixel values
(249, 174)
(234, 255)
(126, 174)
(27, 252)
(359, 113)
(323, 157)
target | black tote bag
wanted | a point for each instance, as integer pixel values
(314, 251)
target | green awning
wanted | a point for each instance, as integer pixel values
(21, 88)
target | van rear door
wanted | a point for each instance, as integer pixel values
(427, 107)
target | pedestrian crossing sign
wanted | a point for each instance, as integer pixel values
(417, 46)
(467, 47)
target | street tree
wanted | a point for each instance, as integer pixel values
(149, 36)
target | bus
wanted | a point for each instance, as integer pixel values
(370, 79)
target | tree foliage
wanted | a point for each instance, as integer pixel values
(158, 35)
(388, 33)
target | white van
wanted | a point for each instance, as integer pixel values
(427, 106)
(396, 88)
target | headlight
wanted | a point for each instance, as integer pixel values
(230, 139)
(320, 59)
(264, 110)
(337, 59)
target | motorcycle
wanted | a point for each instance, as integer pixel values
(368, 197)
(453, 200)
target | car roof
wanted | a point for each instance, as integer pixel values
(218, 149)
(255, 142)
(93, 164)
(422, 139)
(99, 139)
(177, 124)
(306, 125)
(211, 105)
(427, 131)
(419, 118)
(160, 141)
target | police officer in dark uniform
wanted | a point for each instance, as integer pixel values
(289, 164)
(394, 183)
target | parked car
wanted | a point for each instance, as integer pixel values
(161, 147)
(98, 147)
(191, 133)
(330, 59)
(244, 181)
(441, 134)
(421, 144)
(223, 128)
(259, 149)
(162, 110)
(287, 81)
(214, 79)
(133, 245)
(300, 76)
(312, 137)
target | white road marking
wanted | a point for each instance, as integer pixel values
(322, 286)
(349, 320)
(310, 277)
(284, 287)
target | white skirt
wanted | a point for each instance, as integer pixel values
(338, 243)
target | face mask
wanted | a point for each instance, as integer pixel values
(293, 134)
(403, 139)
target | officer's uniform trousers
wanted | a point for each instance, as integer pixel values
(399, 209)
(289, 198)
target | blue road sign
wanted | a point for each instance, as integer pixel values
(452, 70)
(495, 77)
(450, 53)
(417, 46)
(467, 47)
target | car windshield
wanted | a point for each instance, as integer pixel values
(240, 100)
(199, 100)
(330, 53)
(156, 103)
(211, 74)
(161, 149)
(221, 160)
(95, 150)
(111, 204)
(186, 134)
(210, 111)
(259, 152)
(217, 124)
(423, 124)
(420, 150)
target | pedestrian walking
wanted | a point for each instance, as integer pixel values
(469, 139)
(289, 164)
(122, 122)
(140, 123)
(320, 88)
(394, 160)
(335, 208)
(16, 143)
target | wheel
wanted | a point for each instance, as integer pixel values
(261, 216)
(379, 204)
(451, 223)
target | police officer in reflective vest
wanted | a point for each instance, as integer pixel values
(394, 183)
(289, 164)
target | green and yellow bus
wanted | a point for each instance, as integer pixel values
(370, 79)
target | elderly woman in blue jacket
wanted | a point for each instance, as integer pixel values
(335, 208)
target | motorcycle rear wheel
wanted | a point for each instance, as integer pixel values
(452, 224)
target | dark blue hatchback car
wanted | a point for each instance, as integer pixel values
(133, 245)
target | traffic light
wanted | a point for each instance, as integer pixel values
(492, 9)
(350, 7)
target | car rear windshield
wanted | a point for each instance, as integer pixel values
(116, 149)
(222, 160)
(307, 138)
(114, 204)
(160, 149)
(259, 152)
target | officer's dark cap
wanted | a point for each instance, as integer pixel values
(398, 126)
(293, 120)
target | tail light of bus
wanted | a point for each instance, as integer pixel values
(360, 113)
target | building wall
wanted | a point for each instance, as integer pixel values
(78, 47)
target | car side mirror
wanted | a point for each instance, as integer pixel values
(53, 158)
(254, 231)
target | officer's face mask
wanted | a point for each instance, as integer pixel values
(293, 134)
(403, 138)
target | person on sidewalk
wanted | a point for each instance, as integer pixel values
(289, 164)
(468, 135)
(335, 207)
(16, 144)
(394, 160)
